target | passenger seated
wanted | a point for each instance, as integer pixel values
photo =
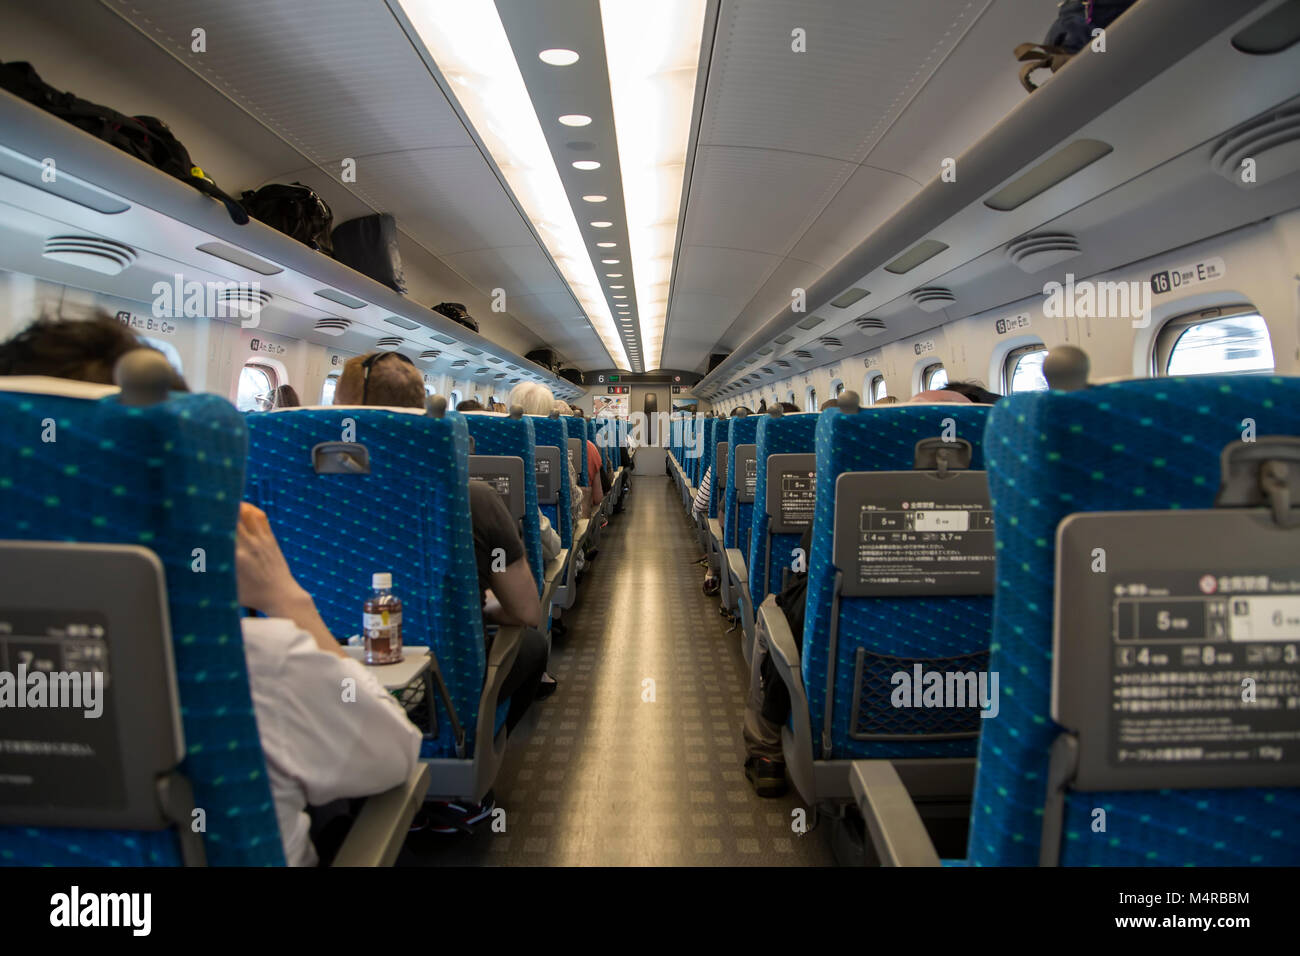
(700, 505)
(933, 395)
(977, 393)
(317, 749)
(887, 400)
(470, 405)
(285, 396)
(767, 707)
(371, 380)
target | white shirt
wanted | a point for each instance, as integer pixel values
(323, 740)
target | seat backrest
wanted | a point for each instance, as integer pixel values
(1140, 445)
(167, 477)
(776, 435)
(407, 514)
(555, 432)
(606, 437)
(578, 429)
(883, 634)
(739, 516)
(709, 428)
(502, 435)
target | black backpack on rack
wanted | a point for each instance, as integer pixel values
(457, 312)
(295, 210)
(145, 137)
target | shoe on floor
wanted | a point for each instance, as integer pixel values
(767, 776)
(453, 816)
(712, 586)
(546, 688)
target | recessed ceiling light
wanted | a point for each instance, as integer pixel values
(601, 224)
(558, 57)
(614, 275)
(594, 198)
(617, 287)
(575, 119)
(586, 164)
(607, 245)
(610, 262)
(620, 296)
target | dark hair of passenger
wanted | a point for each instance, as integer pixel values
(887, 400)
(790, 408)
(470, 405)
(975, 392)
(82, 349)
(740, 411)
(285, 396)
(829, 403)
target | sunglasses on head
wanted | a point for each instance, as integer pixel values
(369, 363)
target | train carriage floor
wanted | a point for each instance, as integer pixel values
(637, 758)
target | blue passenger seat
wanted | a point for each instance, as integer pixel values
(401, 506)
(168, 477)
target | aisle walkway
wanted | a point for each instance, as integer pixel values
(637, 758)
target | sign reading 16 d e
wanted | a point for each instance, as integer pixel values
(1207, 270)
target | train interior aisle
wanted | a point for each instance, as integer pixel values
(650, 433)
(637, 759)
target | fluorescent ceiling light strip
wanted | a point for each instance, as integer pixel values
(466, 40)
(652, 52)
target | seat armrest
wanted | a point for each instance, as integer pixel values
(553, 577)
(893, 824)
(382, 825)
(772, 628)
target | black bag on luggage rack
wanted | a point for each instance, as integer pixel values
(457, 313)
(1069, 33)
(294, 210)
(369, 245)
(145, 137)
(546, 358)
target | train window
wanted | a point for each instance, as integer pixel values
(455, 397)
(837, 388)
(256, 383)
(875, 389)
(327, 390)
(168, 350)
(810, 400)
(1023, 370)
(934, 377)
(1212, 343)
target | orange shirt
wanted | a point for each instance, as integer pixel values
(593, 473)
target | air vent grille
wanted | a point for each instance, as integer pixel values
(428, 355)
(932, 298)
(460, 363)
(1271, 144)
(332, 325)
(802, 354)
(830, 343)
(766, 370)
(481, 371)
(1036, 252)
(870, 324)
(782, 363)
(90, 252)
(389, 342)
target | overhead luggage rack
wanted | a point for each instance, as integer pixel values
(159, 228)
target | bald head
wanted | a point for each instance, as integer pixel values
(393, 381)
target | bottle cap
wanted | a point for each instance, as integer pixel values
(381, 581)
